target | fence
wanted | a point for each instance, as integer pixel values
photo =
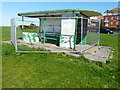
(54, 34)
(13, 33)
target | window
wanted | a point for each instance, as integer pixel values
(118, 17)
(111, 23)
(106, 18)
(112, 18)
(117, 23)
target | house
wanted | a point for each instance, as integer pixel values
(92, 20)
(66, 28)
(112, 18)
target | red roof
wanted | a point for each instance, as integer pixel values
(114, 10)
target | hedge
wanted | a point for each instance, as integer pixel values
(28, 26)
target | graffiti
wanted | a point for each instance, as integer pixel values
(30, 37)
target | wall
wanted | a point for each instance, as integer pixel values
(112, 22)
(67, 31)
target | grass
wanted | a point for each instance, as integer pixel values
(58, 70)
(5, 33)
(92, 37)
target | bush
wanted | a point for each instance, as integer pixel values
(24, 26)
(32, 26)
(28, 26)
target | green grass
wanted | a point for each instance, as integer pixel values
(92, 38)
(111, 41)
(52, 70)
(5, 33)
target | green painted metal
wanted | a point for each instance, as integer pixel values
(75, 36)
(67, 35)
(84, 40)
(55, 35)
(81, 30)
(61, 10)
(48, 38)
(44, 29)
(51, 38)
(83, 37)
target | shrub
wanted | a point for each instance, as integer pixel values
(28, 26)
(32, 26)
(24, 26)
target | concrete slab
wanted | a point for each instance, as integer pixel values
(92, 50)
(94, 53)
(101, 53)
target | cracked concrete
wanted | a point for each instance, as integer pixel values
(95, 53)
(101, 54)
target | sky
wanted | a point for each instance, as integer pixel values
(11, 9)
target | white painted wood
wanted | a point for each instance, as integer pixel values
(68, 26)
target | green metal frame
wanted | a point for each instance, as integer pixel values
(44, 29)
(61, 10)
(67, 35)
(75, 36)
(48, 38)
(81, 31)
(99, 33)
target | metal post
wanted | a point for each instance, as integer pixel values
(99, 32)
(39, 25)
(75, 36)
(44, 29)
(22, 22)
(15, 42)
(81, 34)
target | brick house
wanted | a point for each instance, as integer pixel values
(112, 18)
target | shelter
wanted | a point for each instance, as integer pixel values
(65, 28)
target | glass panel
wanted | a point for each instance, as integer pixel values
(78, 40)
(27, 30)
(56, 34)
(90, 36)
(93, 32)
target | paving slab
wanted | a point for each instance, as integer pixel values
(94, 53)
(102, 54)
